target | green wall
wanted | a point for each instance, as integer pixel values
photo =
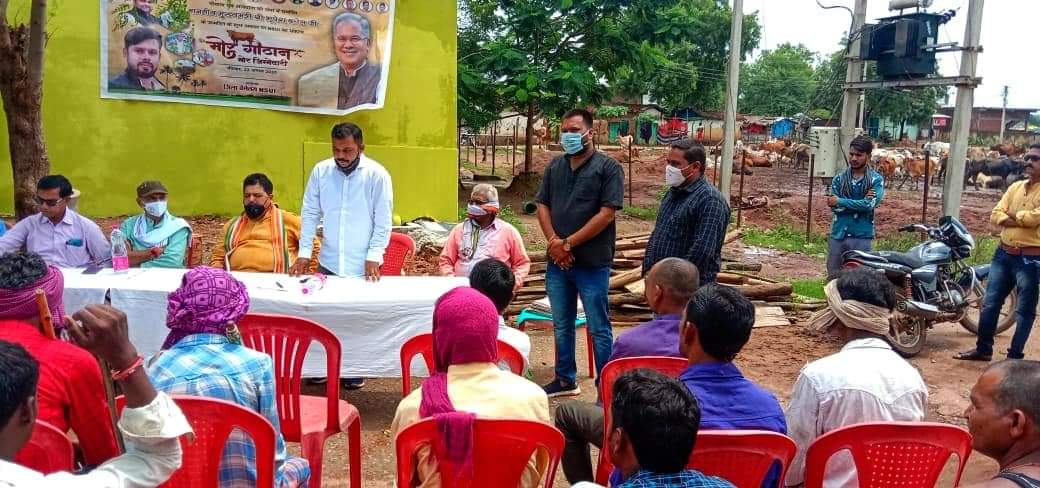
(201, 153)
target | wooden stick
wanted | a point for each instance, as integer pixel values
(110, 396)
(733, 235)
(628, 277)
(46, 320)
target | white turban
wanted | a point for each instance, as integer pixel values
(851, 313)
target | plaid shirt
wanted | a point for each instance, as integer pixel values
(688, 478)
(209, 365)
(691, 224)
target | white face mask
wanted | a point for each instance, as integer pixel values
(155, 209)
(673, 176)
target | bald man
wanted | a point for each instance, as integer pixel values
(1004, 420)
(669, 285)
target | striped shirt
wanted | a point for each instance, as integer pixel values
(208, 365)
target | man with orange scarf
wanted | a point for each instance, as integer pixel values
(265, 238)
(467, 383)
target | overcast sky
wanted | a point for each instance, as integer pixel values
(1008, 28)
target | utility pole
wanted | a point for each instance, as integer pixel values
(854, 72)
(1003, 113)
(953, 185)
(729, 132)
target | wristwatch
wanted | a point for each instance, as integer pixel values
(566, 245)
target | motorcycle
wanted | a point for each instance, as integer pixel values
(934, 284)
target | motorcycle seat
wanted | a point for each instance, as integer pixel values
(910, 261)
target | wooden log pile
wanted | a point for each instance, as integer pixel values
(627, 303)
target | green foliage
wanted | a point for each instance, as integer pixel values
(780, 82)
(812, 288)
(829, 74)
(611, 111)
(642, 213)
(912, 106)
(543, 57)
(178, 14)
(647, 117)
(786, 238)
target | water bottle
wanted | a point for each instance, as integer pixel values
(120, 259)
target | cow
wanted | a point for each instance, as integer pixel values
(1007, 149)
(237, 37)
(542, 137)
(915, 167)
(993, 168)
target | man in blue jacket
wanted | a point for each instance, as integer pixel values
(855, 194)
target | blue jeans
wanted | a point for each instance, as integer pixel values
(564, 287)
(1006, 273)
(836, 248)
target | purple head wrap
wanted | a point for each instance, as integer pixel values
(207, 300)
(21, 304)
(465, 330)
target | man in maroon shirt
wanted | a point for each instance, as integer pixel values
(71, 393)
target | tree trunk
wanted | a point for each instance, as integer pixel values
(21, 89)
(529, 138)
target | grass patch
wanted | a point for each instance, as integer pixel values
(812, 288)
(785, 238)
(641, 213)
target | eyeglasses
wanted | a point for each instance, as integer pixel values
(47, 202)
(1031, 158)
(355, 40)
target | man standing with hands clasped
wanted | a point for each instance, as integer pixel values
(1014, 264)
(855, 194)
(353, 196)
(579, 195)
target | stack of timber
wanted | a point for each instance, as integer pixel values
(628, 305)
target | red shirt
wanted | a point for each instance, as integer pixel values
(71, 392)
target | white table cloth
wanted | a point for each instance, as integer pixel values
(372, 320)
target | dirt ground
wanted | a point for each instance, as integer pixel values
(772, 358)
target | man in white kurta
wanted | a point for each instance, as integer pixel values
(352, 195)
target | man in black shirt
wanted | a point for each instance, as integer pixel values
(691, 222)
(579, 195)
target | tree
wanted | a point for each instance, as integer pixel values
(903, 105)
(21, 89)
(830, 77)
(694, 37)
(780, 82)
(542, 57)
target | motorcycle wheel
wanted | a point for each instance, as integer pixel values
(908, 339)
(970, 320)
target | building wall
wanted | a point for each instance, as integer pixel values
(107, 147)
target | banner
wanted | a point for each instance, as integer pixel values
(316, 56)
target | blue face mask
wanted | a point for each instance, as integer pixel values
(155, 209)
(571, 142)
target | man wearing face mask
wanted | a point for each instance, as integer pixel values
(483, 235)
(580, 192)
(265, 238)
(691, 222)
(157, 239)
(855, 194)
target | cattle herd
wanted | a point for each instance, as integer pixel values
(995, 167)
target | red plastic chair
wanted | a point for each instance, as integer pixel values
(904, 454)
(48, 451)
(501, 451)
(422, 344)
(743, 457)
(668, 366)
(307, 419)
(401, 245)
(213, 420)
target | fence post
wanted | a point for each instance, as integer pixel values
(812, 178)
